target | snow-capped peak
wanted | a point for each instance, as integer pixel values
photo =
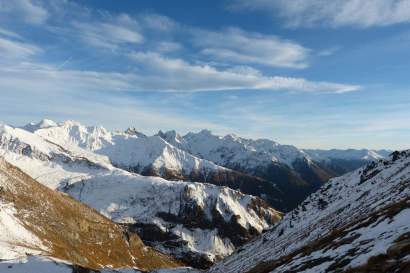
(232, 150)
(133, 131)
(34, 126)
(175, 139)
(129, 150)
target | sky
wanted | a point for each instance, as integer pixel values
(311, 73)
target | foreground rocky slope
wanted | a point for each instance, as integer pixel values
(39, 221)
(199, 223)
(355, 223)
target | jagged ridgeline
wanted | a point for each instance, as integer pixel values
(282, 175)
(39, 221)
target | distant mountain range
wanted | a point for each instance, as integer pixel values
(282, 175)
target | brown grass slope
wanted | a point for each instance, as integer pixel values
(72, 231)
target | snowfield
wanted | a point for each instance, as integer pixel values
(15, 240)
(38, 264)
(232, 150)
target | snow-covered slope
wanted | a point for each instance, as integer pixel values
(199, 223)
(154, 156)
(15, 240)
(289, 168)
(349, 154)
(129, 150)
(34, 126)
(38, 264)
(37, 220)
(234, 151)
(189, 220)
(355, 223)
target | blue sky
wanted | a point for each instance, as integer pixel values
(312, 73)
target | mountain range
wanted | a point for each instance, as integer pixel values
(229, 220)
(284, 174)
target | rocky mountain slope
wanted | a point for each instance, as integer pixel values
(153, 156)
(35, 220)
(200, 223)
(294, 173)
(358, 222)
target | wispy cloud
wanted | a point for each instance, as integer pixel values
(29, 11)
(328, 51)
(336, 13)
(12, 49)
(9, 34)
(170, 74)
(158, 74)
(145, 65)
(166, 46)
(47, 78)
(237, 46)
(157, 22)
(106, 35)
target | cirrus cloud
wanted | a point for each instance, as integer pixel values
(238, 46)
(335, 13)
(28, 10)
(172, 74)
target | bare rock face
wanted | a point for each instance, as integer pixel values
(65, 229)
